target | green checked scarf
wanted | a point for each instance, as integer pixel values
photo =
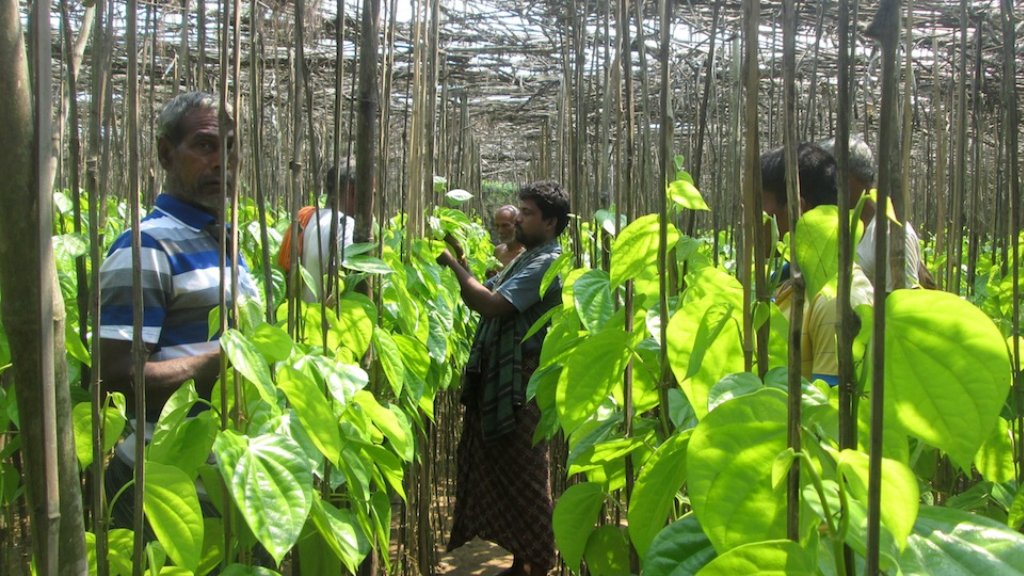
(496, 361)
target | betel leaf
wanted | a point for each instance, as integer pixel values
(367, 264)
(113, 424)
(591, 370)
(607, 552)
(355, 326)
(459, 196)
(311, 406)
(636, 248)
(714, 320)
(391, 422)
(250, 364)
(341, 533)
(947, 374)
(729, 464)
(343, 380)
(731, 386)
(685, 194)
(390, 360)
(243, 570)
(172, 508)
(769, 558)
(573, 520)
(554, 270)
(270, 482)
(188, 445)
(817, 246)
(593, 299)
(952, 542)
(995, 459)
(660, 479)
(273, 342)
(900, 495)
(680, 549)
(706, 360)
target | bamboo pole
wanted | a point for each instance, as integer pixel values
(256, 111)
(698, 155)
(667, 168)
(1012, 128)
(755, 345)
(812, 97)
(956, 243)
(789, 144)
(885, 29)
(972, 216)
(94, 192)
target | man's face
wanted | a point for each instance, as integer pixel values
(193, 165)
(532, 229)
(771, 207)
(505, 226)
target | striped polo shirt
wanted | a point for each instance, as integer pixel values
(180, 281)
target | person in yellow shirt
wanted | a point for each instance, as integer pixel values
(817, 177)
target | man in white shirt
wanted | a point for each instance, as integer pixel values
(861, 180)
(315, 229)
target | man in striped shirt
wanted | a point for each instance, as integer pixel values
(180, 265)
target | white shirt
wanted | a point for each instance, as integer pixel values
(316, 248)
(912, 258)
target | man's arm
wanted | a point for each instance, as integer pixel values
(163, 377)
(478, 297)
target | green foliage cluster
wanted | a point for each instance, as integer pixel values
(709, 493)
(322, 423)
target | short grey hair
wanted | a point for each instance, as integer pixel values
(169, 123)
(347, 174)
(862, 161)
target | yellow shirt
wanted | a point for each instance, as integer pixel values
(818, 336)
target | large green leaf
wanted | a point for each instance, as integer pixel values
(271, 484)
(900, 495)
(729, 463)
(593, 299)
(573, 520)
(243, 570)
(700, 362)
(172, 508)
(414, 354)
(341, 532)
(660, 479)
(246, 358)
(995, 459)
(685, 194)
(714, 320)
(593, 368)
(680, 549)
(313, 410)
(113, 424)
(390, 360)
(817, 246)
(781, 557)
(273, 342)
(953, 543)
(607, 552)
(355, 325)
(391, 422)
(947, 370)
(343, 380)
(186, 447)
(636, 248)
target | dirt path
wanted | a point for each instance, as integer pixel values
(476, 558)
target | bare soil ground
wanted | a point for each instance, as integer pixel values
(476, 558)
